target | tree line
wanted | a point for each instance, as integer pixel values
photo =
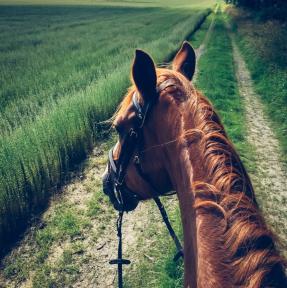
(259, 4)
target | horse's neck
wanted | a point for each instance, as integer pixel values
(202, 232)
(225, 233)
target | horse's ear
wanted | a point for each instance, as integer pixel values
(184, 61)
(144, 74)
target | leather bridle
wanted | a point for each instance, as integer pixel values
(114, 185)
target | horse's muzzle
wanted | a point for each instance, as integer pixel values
(122, 198)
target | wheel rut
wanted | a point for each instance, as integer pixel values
(270, 179)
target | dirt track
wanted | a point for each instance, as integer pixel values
(270, 179)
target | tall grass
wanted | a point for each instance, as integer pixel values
(124, 3)
(49, 53)
(36, 154)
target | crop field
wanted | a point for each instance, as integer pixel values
(63, 70)
(124, 3)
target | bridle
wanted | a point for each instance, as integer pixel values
(114, 185)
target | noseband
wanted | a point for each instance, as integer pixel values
(114, 185)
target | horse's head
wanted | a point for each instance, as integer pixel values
(147, 123)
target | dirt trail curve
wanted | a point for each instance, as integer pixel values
(270, 179)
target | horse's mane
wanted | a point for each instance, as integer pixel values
(249, 246)
(250, 256)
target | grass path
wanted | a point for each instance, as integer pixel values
(270, 179)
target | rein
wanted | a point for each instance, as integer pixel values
(163, 213)
(123, 199)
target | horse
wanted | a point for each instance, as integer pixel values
(172, 139)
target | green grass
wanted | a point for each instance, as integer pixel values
(264, 46)
(42, 62)
(65, 223)
(64, 69)
(158, 269)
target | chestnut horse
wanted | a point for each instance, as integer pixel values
(185, 149)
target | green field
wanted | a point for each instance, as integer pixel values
(154, 3)
(63, 70)
(42, 61)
